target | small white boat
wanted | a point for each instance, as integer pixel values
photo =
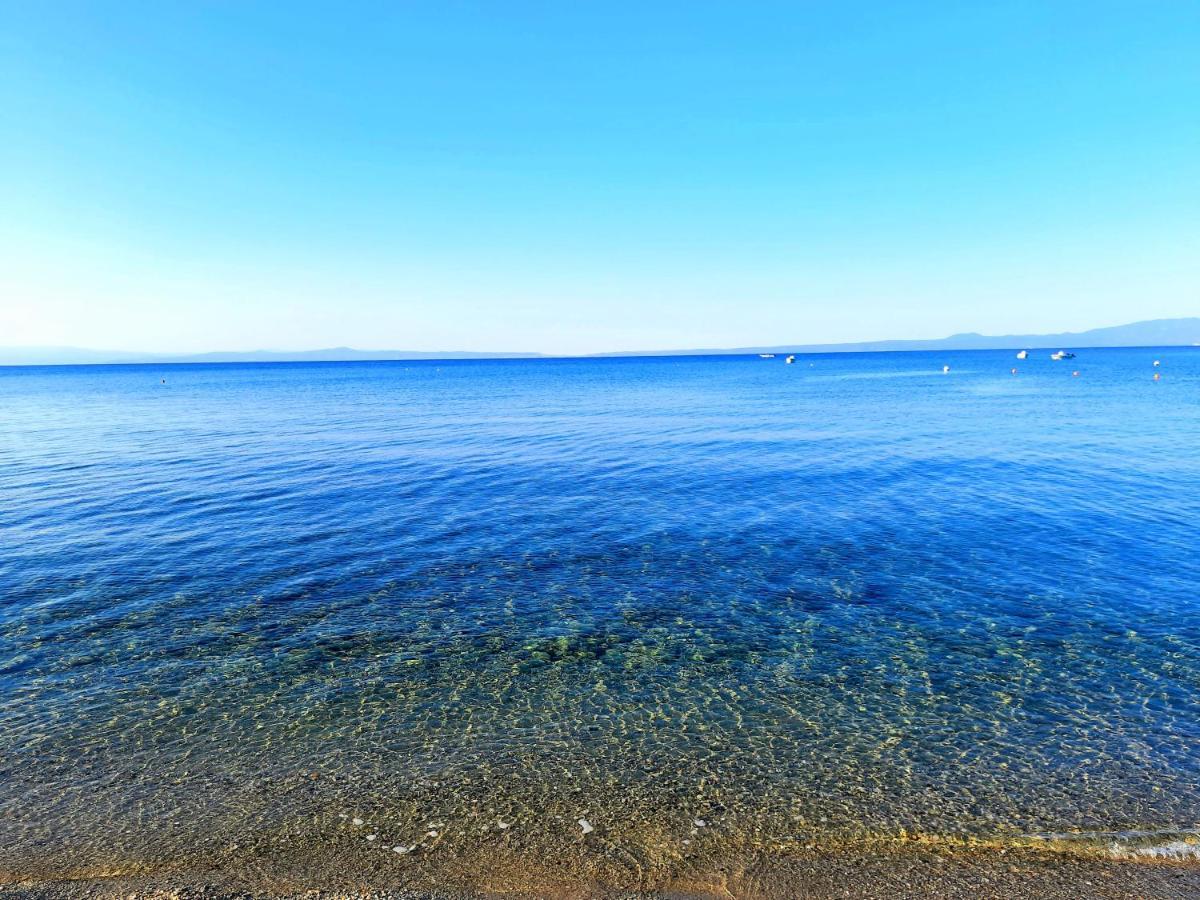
(945, 370)
(1024, 354)
(790, 360)
(1062, 354)
(766, 356)
(1157, 363)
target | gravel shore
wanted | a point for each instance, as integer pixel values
(876, 875)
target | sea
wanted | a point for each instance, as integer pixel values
(604, 614)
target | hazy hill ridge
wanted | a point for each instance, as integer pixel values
(1150, 333)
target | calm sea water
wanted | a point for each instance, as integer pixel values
(486, 599)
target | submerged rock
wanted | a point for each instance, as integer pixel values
(586, 826)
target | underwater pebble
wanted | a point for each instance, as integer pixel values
(356, 821)
(343, 815)
(371, 837)
(699, 823)
(431, 834)
(503, 825)
(586, 826)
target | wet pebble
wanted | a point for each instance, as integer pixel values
(586, 826)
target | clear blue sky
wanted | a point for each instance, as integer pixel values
(574, 177)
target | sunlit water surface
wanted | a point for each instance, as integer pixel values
(695, 602)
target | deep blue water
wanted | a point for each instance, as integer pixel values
(853, 594)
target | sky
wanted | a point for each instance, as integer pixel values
(585, 177)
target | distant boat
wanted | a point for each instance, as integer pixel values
(790, 360)
(945, 370)
(766, 356)
(1024, 354)
(1062, 354)
(1157, 363)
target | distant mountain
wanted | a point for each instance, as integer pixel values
(1152, 333)
(66, 356)
(342, 354)
(76, 356)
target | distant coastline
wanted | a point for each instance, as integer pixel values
(1150, 333)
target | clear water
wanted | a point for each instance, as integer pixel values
(850, 596)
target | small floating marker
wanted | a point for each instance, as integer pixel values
(1157, 363)
(1157, 376)
(586, 826)
(1075, 374)
(945, 370)
(356, 821)
(1013, 370)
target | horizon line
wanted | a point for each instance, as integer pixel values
(1176, 332)
(550, 357)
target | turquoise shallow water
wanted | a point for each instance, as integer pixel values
(849, 596)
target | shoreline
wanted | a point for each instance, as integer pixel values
(919, 870)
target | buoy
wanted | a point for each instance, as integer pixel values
(1157, 363)
(1075, 374)
(1157, 376)
(1014, 371)
(945, 369)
